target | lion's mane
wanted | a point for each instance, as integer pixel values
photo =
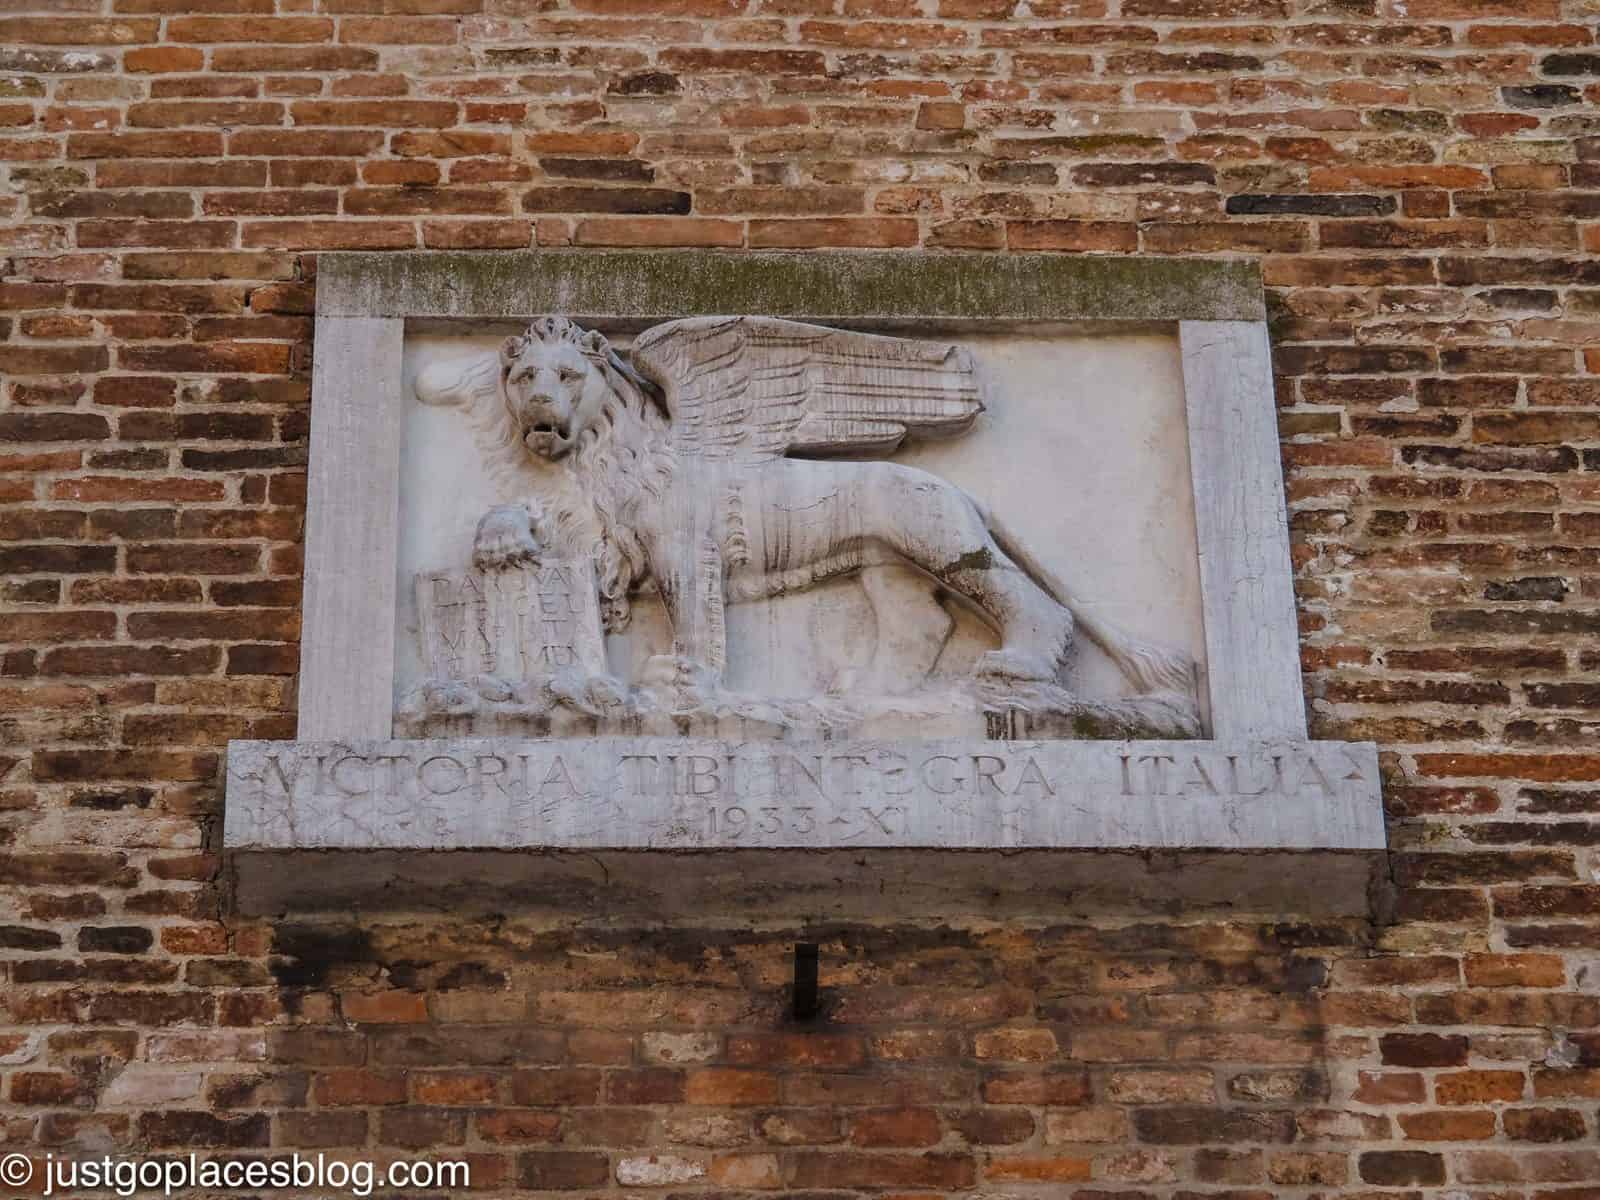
(612, 480)
(622, 464)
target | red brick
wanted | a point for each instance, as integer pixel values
(1400, 1168)
(1029, 1169)
(141, 144)
(385, 173)
(454, 1088)
(519, 1126)
(1071, 235)
(896, 1127)
(941, 1172)
(1478, 1087)
(76, 31)
(1447, 1126)
(1390, 1087)
(1038, 1088)
(477, 235)
(44, 1088)
(1544, 1124)
(882, 35)
(250, 29)
(194, 939)
(829, 231)
(382, 1007)
(1566, 1084)
(330, 235)
(391, 31)
(185, 114)
(317, 143)
(1514, 970)
(563, 1170)
(658, 231)
(556, 1086)
(317, 1129)
(171, 234)
(800, 1049)
(360, 1088)
(727, 1086)
(437, 114)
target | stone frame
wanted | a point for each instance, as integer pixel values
(1316, 848)
(365, 302)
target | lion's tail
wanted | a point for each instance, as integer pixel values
(1148, 666)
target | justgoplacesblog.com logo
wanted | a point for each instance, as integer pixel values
(171, 1175)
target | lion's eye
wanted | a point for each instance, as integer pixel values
(567, 374)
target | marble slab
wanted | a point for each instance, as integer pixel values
(872, 557)
(691, 794)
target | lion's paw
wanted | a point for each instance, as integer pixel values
(674, 671)
(678, 684)
(441, 698)
(606, 691)
(594, 695)
(1012, 664)
(504, 540)
(494, 689)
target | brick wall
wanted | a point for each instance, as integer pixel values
(1421, 179)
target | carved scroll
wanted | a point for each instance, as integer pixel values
(511, 624)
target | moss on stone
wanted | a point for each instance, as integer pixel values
(853, 285)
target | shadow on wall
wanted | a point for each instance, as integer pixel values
(945, 1057)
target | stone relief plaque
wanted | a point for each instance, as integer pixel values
(760, 578)
(749, 463)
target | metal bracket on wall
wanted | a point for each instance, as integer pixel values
(805, 981)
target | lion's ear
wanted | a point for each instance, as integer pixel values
(511, 349)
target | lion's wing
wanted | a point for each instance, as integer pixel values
(752, 388)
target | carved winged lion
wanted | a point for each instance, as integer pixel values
(708, 459)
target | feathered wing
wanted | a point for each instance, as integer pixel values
(754, 388)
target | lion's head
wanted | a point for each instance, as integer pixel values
(556, 380)
(566, 394)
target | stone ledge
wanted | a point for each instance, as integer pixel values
(787, 889)
(605, 829)
(823, 287)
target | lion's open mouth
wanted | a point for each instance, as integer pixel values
(546, 438)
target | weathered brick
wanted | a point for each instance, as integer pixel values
(802, 1050)
(329, 234)
(1179, 1125)
(1038, 1088)
(360, 1088)
(115, 939)
(556, 1086)
(896, 1127)
(1477, 1087)
(561, 1170)
(728, 1086)
(1447, 1126)
(1419, 189)
(853, 1170)
(1401, 1168)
